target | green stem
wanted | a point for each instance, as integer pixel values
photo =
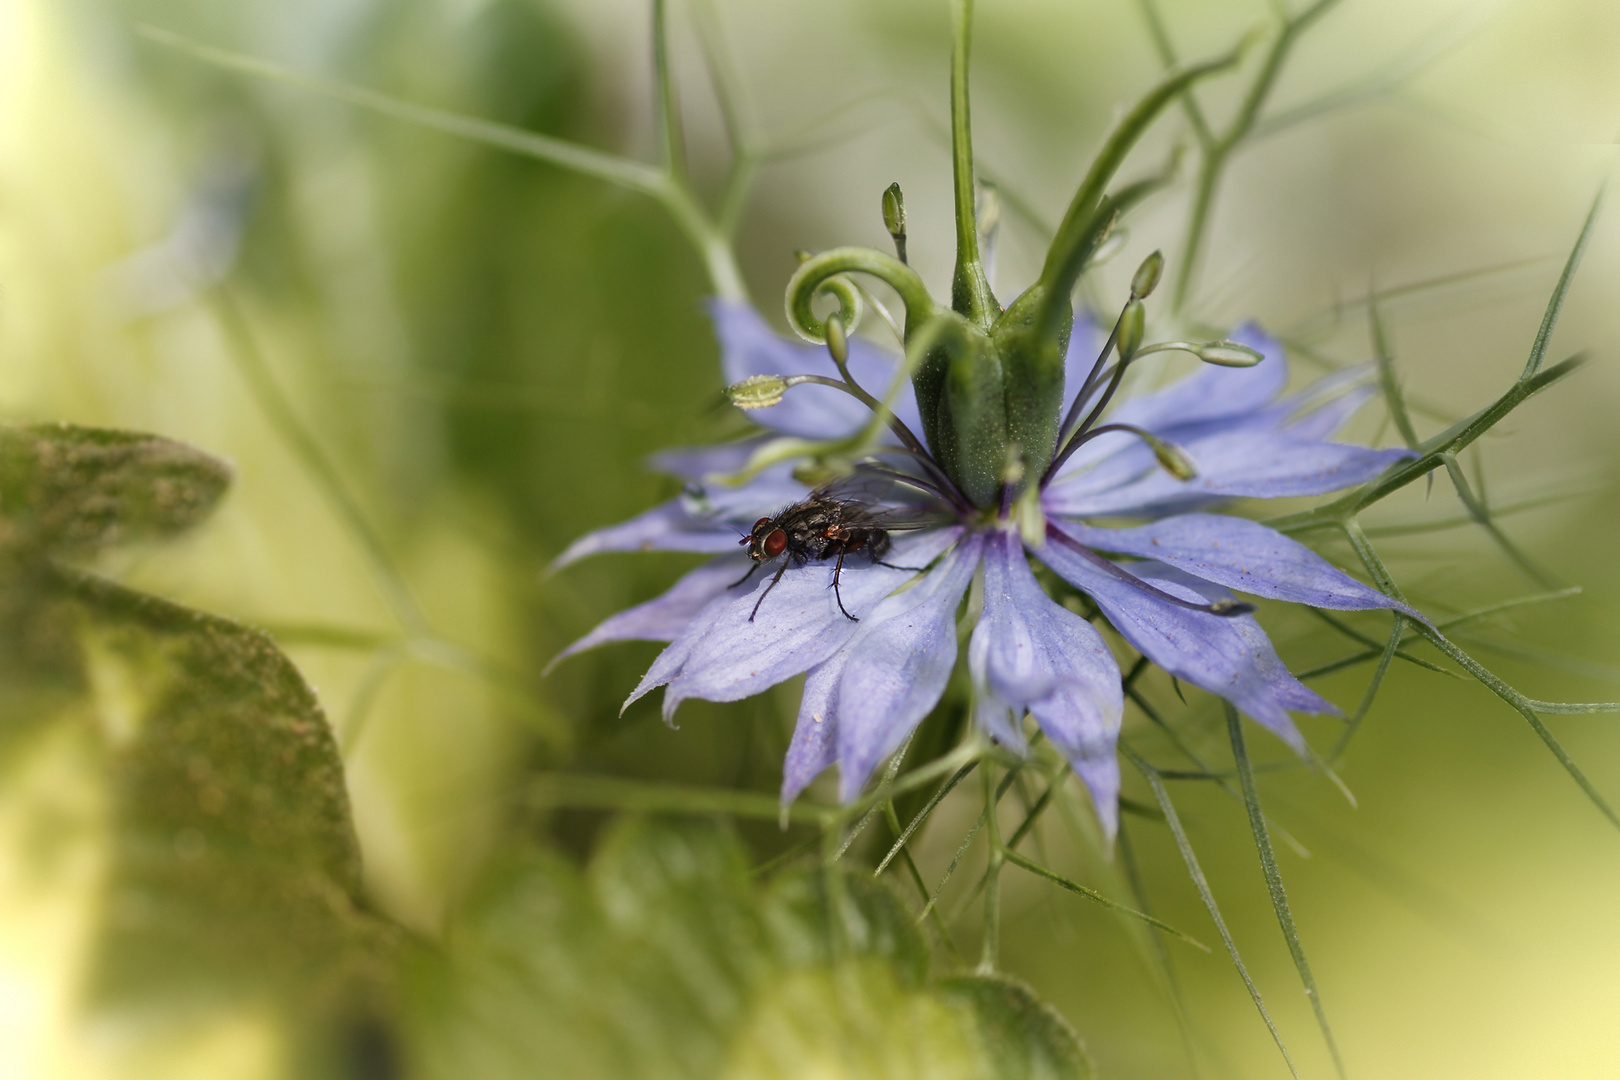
(671, 141)
(255, 371)
(991, 954)
(1216, 151)
(1194, 871)
(618, 793)
(1274, 882)
(970, 288)
(660, 184)
(1086, 219)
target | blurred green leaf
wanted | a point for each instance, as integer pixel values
(235, 867)
(664, 958)
(1026, 1039)
(233, 870)
(67, 489)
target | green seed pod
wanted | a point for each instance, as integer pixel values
(1147, 276)
(1131, 324)
(757, 391)
(1228, 354)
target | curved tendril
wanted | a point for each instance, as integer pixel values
(1225, 609)
(816, 273)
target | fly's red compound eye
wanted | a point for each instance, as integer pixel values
(775, 544)
(760, 524)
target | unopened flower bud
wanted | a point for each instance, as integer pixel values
(1228, 354)
(757, 391)
(1172, 458)
(837, 340)
(1131, 323)
(894, 218)
(1147, 276)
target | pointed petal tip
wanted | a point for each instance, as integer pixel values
(1100, 774)
(672, 701)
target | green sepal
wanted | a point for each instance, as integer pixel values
(1034, 368)
(974, 418)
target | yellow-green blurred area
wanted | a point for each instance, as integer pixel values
(432, 364)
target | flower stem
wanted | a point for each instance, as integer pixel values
(1217, 150)
(1274, 882)
(990, 956)
(671, 142)
(970, 288)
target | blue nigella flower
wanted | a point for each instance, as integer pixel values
(1166, 586)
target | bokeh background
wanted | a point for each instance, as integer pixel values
(486, 349)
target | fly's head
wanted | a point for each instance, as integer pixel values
(765, 541)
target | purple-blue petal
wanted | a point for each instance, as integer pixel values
(1029, 652)
(1242, 555)
(663, 618)
(666, 527)
(898, 663)
(696, 464)
(723, 656)
(748, 347)
(1227, 655)
(703, 518)
(1231, 463)
(1321, 409)
(815, 735)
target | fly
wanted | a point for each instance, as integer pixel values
(824, 526)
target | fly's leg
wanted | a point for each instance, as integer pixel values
(768, 588)
(745, 577)
(891, 566)
(837, 569)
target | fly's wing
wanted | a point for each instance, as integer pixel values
(885, 498)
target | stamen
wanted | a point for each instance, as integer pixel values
(1172, 458)
(838, 346)
(1127, 333)
(758, 391)
(894, 218)
(1147, 276)
(896, 425)
(1223, 608)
